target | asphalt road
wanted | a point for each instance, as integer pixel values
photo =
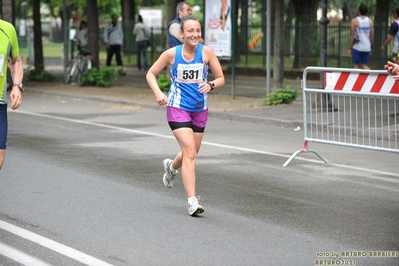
(82, 184)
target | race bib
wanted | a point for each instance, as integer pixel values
(1, 64)
(189, 73)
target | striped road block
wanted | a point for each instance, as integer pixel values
(361, 82)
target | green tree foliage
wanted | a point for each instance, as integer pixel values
(147, 3)
(105, 7)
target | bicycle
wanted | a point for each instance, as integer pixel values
(79, 68)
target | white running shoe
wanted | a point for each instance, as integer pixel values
(168, 176)
(193, 206)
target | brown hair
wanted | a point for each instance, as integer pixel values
(185, 19)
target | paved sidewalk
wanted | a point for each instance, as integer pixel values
(288, 115)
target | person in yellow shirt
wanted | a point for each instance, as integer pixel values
(9, 58)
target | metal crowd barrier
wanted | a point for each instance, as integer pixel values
(356, 108)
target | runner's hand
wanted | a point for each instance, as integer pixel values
(162, 99)
(16, 97)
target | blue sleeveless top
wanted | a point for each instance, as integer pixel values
(185, 77)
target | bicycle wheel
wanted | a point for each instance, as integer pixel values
(71, 74)
(83, 72)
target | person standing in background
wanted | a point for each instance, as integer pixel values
(393, 34)
(361, 38)
(9, 51)
(81, 37)
(113, 38)
(142, 40)
(183, 10)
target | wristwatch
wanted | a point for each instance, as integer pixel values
(20, 86)
(212, 84)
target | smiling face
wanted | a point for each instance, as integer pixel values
(190, 30)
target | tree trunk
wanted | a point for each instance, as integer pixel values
(306, 38)
(171, 10)
(278, 69)
(290, 12)
(92, 27)
(345, 12)
(240, 43)
(245, 26)
(128, 12)
(37, 37)
(264, 30)
(170, 13)
(7, 11)
(381, 25)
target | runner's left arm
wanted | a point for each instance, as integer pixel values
(17, 74)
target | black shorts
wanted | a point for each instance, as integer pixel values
(3, 126)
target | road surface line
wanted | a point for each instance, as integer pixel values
(378, 172)
(50, 244)
(20, 256)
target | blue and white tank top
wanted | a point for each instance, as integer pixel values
(185, 77)
(362, 35)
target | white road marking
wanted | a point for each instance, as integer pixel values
(55, 246)
(378, 172)
(20, 257)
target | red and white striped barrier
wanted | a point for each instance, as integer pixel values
(357, 108)
(361, 82)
